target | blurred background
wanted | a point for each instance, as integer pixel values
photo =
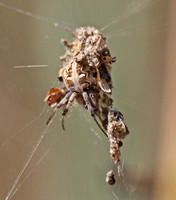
(48, 163)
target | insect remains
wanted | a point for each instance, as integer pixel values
(85, 76)
(116, 131)
(110, 178)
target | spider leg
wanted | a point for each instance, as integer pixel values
(91, 110)
(64, 112)
(62, 102)
(92, 98)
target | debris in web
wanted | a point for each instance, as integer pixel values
(116, 131)
(110, 178)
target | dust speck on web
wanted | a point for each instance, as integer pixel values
(132, 9)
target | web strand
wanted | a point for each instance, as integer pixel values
(43, 134)
(33, 168)
(133, 9)
(30, 66)
(40, 18)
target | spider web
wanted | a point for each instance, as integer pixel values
(38, 146)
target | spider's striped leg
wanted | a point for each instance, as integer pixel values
(91, 110)
(62, 102)
(64, 112)
(92, 98)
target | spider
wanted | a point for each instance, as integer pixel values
(85, 76)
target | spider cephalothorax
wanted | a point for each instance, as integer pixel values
(85, 75)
